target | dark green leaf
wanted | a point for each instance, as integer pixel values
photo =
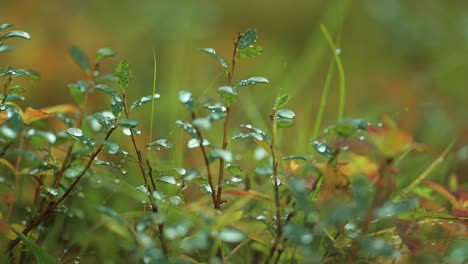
(104, 53)
(20, 73)
(4, 47)
(107, 90)
(248, 38)
(105, 120)
(80, 58)
(226, 155)
(15, 34)
(42, 257)
(124, 74)
(218, 112)
(74, 171)
(296, 157)
(228, 94)
(144, 100)
(41, 168)
(252, 81)
(264, 171)
(212, 52)
(249, 52)
(117, 106)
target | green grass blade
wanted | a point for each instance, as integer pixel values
(41, 255)
(341, 72)
(323, 100)
(152, 102)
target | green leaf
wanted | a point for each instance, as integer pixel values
(124, 74)
(296, 157)
(187, 100)
(128, 123)
(144, 100)
(228, 94)
(187, 127)
(16, 90)
(4, 47)
(160, 143)
(42, 257)
(285, 118)
(117, 106)
(5, 26)
(252, 81)
(248, 38)
(212, 52)
(226, 155)
(109, 212)
(77, 90)
(74, 171)
(249, 52)
(323, 148)
(104, 53)
(168, 179)
(107, 90)
(80, 58)
(15, 34)
(282, 100)
(231, 235)
(236, 170)
(77, 134)
(254, 133)
(15, 73)
(105, 119)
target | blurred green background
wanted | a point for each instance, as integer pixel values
(404, 58)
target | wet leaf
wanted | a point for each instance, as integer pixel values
(226, 155)
(187, 100)
(228, 94)
(195, 143)
(144, 100)
(78, 135)
(249, 52)
(212, 52)
(285, 118)
(252, 81)
(77, 90)
(160, 143)
(104, 53)
(80, 58)
(15, 34)
(124, 74)
(187, 127)
(128, 123)
(74, 171)
(248, 38)
(168, 179)
(42, 257)
(231, 235)
(323, 148)
(107, 90)
(236, 170)
(5, 26)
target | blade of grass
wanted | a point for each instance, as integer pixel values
(429, 169)
(323, 100)
(152, 102)
(341, 72)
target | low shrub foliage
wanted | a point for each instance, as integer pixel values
(241, 199)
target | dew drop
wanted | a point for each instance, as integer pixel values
(127, 131)
(338, 51)
(73, 131)
(2, 107)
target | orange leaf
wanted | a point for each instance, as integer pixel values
(250, 194)
(31, 115)
(389, 139)
(62, 108)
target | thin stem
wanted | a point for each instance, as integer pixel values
(323, 100)
(226, 121)
(275, 188)
(207, 165)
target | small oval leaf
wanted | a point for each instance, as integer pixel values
(80, 58)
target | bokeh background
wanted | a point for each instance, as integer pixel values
(407, 59)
